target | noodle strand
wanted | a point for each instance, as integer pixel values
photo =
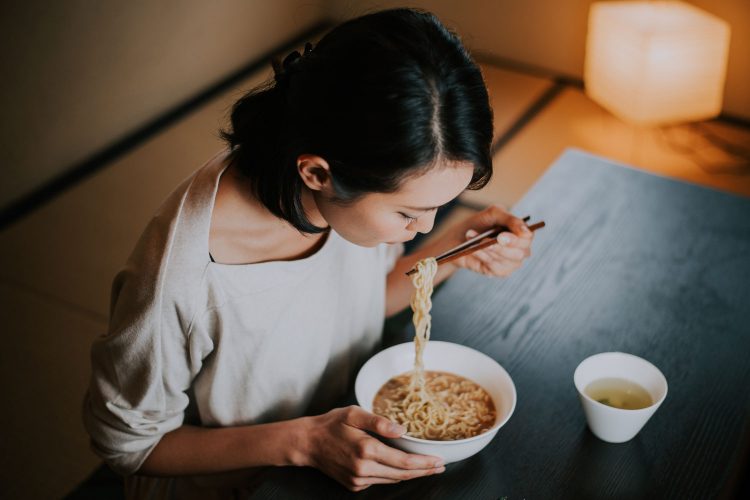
(433, 405)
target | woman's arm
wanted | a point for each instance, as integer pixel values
(336, 443)
(201, 450)
(498, 260)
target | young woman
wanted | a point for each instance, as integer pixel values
(262, 282)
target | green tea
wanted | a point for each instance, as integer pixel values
(619, 393)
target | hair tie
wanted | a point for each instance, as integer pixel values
(292, 58)
(281, 70)
(295, 56)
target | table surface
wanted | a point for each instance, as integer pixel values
(628, 262)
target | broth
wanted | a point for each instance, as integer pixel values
(466, 408)
(619, 393)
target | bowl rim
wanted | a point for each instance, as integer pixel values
(489, 432)
(615, 354)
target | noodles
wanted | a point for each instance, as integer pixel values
(455, 408)
(433, 405)
(421, 303)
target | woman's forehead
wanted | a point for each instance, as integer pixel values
(434, 187)
(437, 185)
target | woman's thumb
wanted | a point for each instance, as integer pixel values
(470, 234)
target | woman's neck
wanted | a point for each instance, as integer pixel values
(244, 231)
(311, 208)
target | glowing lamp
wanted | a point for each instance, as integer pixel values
(656, 62)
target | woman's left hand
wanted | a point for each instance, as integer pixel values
(504, 258)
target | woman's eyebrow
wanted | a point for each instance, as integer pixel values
(423, 209)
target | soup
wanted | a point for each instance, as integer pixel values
(449, 407)
(619, 393)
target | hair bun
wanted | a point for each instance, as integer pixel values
(281, 70)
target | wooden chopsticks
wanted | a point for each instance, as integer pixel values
(480, 241)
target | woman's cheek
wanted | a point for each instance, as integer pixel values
(396, 231)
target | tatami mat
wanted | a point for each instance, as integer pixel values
(573, 120)
(511, 94)
(72, 247)
(44, 368)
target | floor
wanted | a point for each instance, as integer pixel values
(61, 258)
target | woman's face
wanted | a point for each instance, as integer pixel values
(396, 217)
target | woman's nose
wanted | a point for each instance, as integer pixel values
(425, 223)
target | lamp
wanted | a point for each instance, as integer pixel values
(653, 63)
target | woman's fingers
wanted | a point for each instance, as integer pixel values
(508, 239)
(507, 251)
(361, 419)
(378, 460)
(519, 227)
(356, 459)
(361, 483)
(379, 473)
(496, 215)
(518, 236)
(493, 215)
(370, 449)
(397, 459)
(378, 463)
(367, 481)
(486, 262)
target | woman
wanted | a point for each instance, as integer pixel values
(262, 282)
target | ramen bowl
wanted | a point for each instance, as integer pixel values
(442, 357)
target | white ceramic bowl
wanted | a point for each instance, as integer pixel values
(615, 425)
(447, 357)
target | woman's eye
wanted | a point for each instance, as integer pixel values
(409, 218)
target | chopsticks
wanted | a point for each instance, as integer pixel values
(478, 242)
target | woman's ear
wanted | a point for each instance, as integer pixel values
(315, 173)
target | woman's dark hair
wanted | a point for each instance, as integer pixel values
(381, 97)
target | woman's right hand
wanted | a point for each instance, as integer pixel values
(336, 443)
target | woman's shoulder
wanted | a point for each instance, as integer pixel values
(172, 251)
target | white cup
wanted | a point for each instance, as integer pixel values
(615, 425)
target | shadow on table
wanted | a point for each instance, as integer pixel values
(464, 479)
(592, 464)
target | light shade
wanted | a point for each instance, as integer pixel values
(656, 62)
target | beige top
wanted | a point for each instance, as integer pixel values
(226, 344)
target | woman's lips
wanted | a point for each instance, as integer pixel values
(402, 241)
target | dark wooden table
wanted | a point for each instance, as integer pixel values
(628, 262)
